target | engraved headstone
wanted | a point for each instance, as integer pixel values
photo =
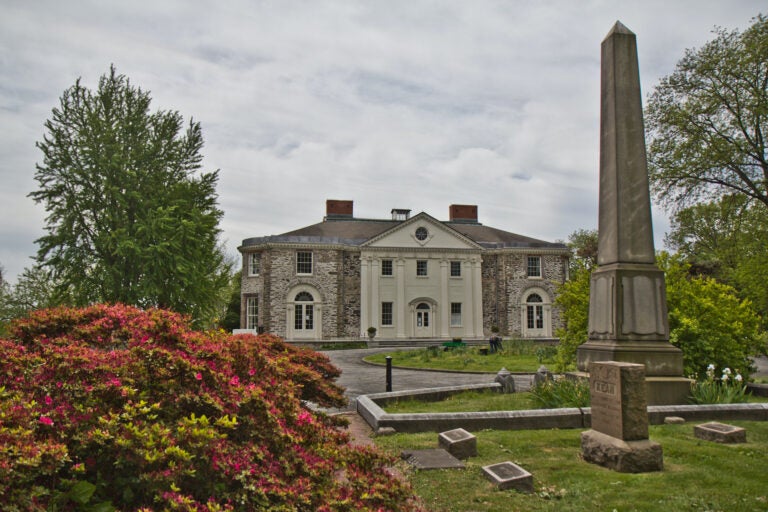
(459, 443)
(619, 436)
(508, 475)
(618, 401)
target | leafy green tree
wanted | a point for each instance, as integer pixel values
(726, 239)
(131, 216)
(35, 289)
(708, 321)
(573, 297)
(707, 122)
(231, 318)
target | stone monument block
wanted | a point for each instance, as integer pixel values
(720, 433)
(619, 407)
(459, 443)
(619, 436)
(508, 475)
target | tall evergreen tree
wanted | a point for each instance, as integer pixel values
(131, 216)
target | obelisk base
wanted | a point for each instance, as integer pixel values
(658, 390)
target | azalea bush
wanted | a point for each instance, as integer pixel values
(111, 407)
(728, 389)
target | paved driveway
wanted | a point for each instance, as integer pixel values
(360, 378)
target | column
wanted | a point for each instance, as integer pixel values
(477, 293)
(375, 303)
(445, 305)
(468, 309)
(401, 317)
(365, 276)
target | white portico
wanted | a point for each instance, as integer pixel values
(421, 279)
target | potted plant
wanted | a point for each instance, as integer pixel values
(371, 336)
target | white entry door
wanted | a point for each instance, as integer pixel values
(423, 327)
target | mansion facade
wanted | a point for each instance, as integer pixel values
(410, 277)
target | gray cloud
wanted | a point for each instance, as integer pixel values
(390, 103)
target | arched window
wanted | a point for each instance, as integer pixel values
(534, 311)
(304, 314)
(304, 297)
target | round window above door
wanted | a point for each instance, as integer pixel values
(421, 233)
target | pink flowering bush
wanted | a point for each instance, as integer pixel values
(111, 407)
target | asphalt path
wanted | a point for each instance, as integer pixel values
(361, 378)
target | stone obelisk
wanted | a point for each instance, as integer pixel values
(628, 319)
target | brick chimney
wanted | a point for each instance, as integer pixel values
(462, 213)
(338, 209)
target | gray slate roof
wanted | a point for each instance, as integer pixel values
(357, 231)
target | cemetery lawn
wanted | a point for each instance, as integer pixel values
(698, 475)
(481, 401)
(466, 401)
(517, 356)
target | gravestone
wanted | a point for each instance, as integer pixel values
(507, 381)
(459, 443)
(628, 319)
(619, 436)
(720, 433)
(542, 375)
(508, 475)
(431, 459)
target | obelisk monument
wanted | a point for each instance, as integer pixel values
(628, 319)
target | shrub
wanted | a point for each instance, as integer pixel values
(561, 392)
(111, 406)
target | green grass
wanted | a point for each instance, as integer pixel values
(481, 401)
(517, 356)
(698, 475)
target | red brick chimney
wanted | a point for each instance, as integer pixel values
(462, 213)
(336, 208)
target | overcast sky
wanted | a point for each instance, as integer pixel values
(392, 104)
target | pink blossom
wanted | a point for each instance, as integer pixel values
(199, 376)
(304, 418)
(45, 420)
(48, 400)
(235, 381)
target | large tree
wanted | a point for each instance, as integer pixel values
(727, 240)
(131, 215)
(707, 122)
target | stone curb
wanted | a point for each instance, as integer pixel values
(369, 408)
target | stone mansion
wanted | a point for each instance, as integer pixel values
(410, 277)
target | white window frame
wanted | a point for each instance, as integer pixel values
(422, 272)
(311, 263)
(252, 312)
(535, 267)
(387, 313)
(390, 266)
(254, 264)
(455, 268)
(455, 314)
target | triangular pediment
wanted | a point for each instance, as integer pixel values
(421, 231)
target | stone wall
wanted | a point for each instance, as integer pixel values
(506, 284)
(335, 279)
